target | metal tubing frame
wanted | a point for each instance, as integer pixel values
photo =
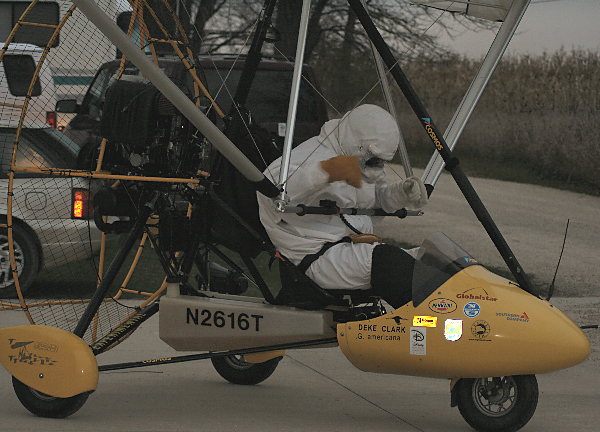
(435, 166)
(452, 163)
(112, 271)
(209, 355)
(293, 105)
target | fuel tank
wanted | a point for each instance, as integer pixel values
(223, 322)
(476, 324)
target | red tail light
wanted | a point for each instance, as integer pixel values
(51, 118)
(81, 204)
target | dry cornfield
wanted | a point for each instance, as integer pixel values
(543, 111)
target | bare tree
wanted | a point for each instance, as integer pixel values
(192, 16)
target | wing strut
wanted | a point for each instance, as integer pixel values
(450, 160)
(435, 166)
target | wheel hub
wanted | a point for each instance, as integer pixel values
(495, 397)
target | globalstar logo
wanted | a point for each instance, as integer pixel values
(476, 294)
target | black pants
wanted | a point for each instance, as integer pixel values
(391, 274)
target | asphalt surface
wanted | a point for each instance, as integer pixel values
(318, 389)
(532, 220)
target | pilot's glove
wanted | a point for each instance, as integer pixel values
(415, 191)
(403, 193)
(343, 168)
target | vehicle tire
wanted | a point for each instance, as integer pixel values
(43, 405)
(87, 159)
(501, 404)
(27, 258)
(238, 371)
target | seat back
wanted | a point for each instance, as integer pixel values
(229, 226)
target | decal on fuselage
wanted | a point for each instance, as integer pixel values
(442, 306)
(23, 355)
(514, 317)
(220, 319)
(480, 331)
(424, 321)
(418, 340)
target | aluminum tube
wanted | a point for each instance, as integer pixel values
(465, 110)
(169, 89)
(293, 106)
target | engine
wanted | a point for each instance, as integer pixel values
(147, 136)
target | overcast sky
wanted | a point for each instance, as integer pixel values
(546, 26)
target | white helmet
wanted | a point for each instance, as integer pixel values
(368, 132)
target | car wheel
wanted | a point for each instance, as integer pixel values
(27, 260)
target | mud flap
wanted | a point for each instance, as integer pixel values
(48, 359)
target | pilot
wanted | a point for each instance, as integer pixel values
(345, 164)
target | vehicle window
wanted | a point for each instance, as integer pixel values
(37, 148)
(269, 95)
(46, 13)
(91, 102)
(19, 71)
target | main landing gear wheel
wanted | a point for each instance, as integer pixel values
(501, 404)
(238, 371)
(43, 405)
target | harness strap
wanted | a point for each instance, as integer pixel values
(309, 259)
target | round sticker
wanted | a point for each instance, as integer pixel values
(471, 309)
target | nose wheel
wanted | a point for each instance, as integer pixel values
(43, 405)
(499, 404)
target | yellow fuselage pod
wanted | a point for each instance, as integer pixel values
(48, 359)
(475, 325)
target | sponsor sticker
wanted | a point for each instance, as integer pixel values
(480, 330)
(424, 321)
(479, 294)
(471, 309)
(442, 306)
(418, 341)
(453, 329)
(514, 317)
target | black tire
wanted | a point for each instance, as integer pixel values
(502, 404)
(238, 371)
(43, 405)
(27, 257)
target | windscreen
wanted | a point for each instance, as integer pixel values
(438, 259)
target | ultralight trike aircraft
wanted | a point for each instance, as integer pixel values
(486, 334)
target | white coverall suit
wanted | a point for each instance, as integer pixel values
(371, 134)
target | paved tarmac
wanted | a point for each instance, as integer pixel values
(312, 389)
(532, 220)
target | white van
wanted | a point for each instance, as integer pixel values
(17, 69)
